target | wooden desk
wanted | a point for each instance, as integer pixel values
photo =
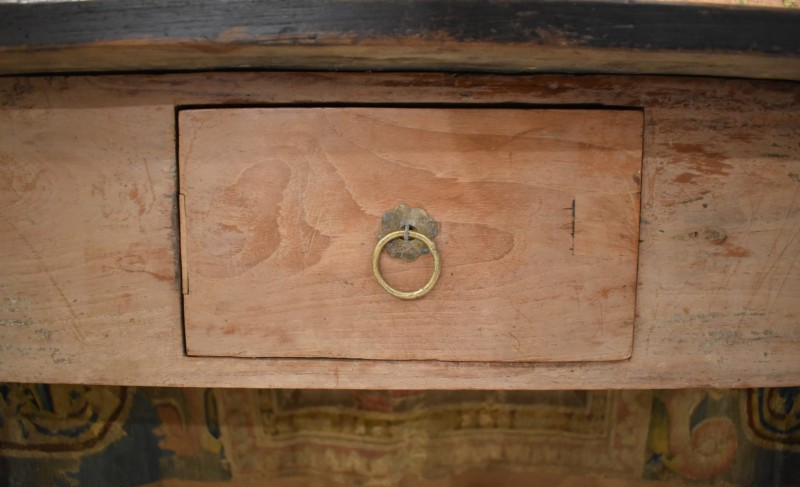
(93, 274)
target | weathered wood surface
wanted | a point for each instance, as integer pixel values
(90, 287)
(283, 206)
(557, 36)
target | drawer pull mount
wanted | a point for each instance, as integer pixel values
(407, 233)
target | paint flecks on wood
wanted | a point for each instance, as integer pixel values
(702, 319)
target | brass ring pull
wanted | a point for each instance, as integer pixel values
(437, 264)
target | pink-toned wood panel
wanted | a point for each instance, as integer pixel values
(719, 253)
(283, 207)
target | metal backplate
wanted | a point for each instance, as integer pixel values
(407, 218)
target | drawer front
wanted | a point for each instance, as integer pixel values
(538, 214)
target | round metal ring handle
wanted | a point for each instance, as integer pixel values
(437, 264)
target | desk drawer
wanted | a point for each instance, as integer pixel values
(538, 216)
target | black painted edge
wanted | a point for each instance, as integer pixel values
(592, 24)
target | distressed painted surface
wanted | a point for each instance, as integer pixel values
(91, 288)
(501, 36)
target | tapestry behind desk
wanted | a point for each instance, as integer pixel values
(119, 436)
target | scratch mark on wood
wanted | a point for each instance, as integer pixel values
(52, 280)
(573, 227)
(149, 185)
(518, 345)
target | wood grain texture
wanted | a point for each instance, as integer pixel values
(284, 205)
(557, 36)
(89, 290)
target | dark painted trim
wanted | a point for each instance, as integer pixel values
(653, 27)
